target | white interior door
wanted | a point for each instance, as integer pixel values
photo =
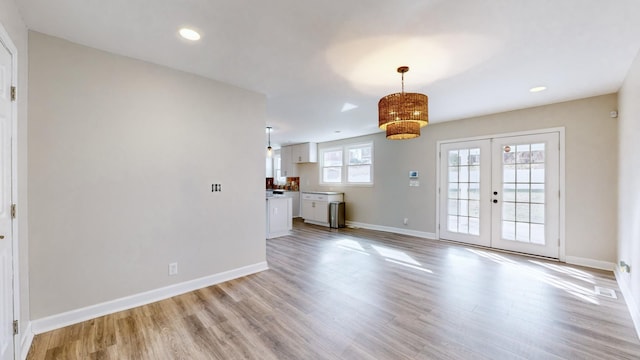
(502, 193)
(6, 250)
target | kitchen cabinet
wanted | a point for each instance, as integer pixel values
(295, 200)
(287, 167)
(304, 153)
(315, 206)
(279, 221)
(297, 154)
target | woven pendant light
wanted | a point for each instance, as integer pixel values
(403, 114)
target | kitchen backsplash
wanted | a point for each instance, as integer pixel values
(293, 184)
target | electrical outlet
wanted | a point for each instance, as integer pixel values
(216, 187)
(405, 221)
(173, 269)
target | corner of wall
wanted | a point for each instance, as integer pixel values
(632, 304)
(26, 341)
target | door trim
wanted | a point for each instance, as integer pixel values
(561, 134)
(17, 340)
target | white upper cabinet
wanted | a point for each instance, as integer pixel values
(304, 153)
(287, 168)
(297, 154)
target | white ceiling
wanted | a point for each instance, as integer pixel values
(310, 58)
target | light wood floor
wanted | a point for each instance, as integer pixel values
(359, 294)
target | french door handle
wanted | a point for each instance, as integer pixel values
(495, 201)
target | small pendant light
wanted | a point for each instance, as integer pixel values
(269, 148)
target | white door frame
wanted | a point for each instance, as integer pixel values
(559, 130)
(6, 40)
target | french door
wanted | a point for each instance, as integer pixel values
(502, 193)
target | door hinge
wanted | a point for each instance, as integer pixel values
(13, 93)
(13, 211)
(16, 327)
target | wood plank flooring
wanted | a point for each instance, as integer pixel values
(360, 294)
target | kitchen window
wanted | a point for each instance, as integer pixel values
(277, 169)
(347, 165)
(331, 166)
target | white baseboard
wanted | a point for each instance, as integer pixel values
(420, 234)
(90, 312)
(632, 304)
(25, 341)
(596, 264)
(319, 223)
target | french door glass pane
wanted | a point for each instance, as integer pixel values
(452, 207)
(452, 223)
(537, 234)
(463, 207)
(522, 231)
(474, 191)
(474, 226)
(523, 175)
(508, 230)
(463, 191)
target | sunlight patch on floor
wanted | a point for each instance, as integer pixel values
(390, 255)
(409, 265)
(574, 273)
(354, 250)
(492, 256)
(395, 255)
(350, 244)
(580, 292)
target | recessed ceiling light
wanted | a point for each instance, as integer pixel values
(538, 89)
(189, 34)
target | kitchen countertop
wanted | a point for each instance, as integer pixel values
(324, 192)
(276, 196)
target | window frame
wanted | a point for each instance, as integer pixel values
(277, 169)
(323, 167)
(344, 178)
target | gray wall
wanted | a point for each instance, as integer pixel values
(122, 155)
(591, 172)
(629, 190)
(12, 22)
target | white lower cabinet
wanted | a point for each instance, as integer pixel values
(315, 206)
(279, 220)
(295, 201)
